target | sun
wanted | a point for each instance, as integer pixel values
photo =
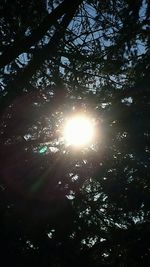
(79, 131)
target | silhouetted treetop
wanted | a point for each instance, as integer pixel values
(62, 206)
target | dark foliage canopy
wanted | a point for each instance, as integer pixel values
(63, 207)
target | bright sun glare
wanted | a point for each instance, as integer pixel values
(79, 131)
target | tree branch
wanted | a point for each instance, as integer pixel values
(26, 42)
(21, 81)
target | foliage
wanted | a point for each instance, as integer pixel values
(61, 207)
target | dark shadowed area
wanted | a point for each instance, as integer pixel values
(63, 205)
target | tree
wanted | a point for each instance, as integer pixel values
(60, 207)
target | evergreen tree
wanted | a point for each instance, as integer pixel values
(61, 207)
